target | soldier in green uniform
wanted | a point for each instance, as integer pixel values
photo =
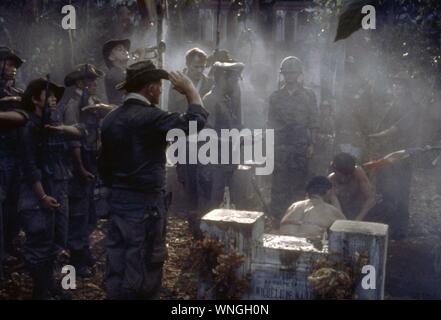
(293, 115)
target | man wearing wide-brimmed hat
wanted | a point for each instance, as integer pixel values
(223, 103)
(132, 165)
(116, 56)
(10, 98)
(11, 115)
(9, 63)
(85, 108)
(43, 200)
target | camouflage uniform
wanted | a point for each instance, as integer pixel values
(292, 116)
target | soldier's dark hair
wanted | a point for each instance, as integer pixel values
(195, 52)
(27, 102)
(136, 87)
(318, 185)
(344, 163)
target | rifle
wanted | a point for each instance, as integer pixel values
(84, 100)
(396, 156)
(46, 111)
(45, 120)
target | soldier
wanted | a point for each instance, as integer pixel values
(132, 165)
(43, 200)
(9, 120)
(116, 56)
(224, 107)
(196, 60)
(397, 131)
(83, 108)
(10, 98)
(293, 115)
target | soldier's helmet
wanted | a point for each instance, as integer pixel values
(291, 64)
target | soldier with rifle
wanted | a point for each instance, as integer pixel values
(84, 108)
(397, 131)
(43, 199)
(11, 117)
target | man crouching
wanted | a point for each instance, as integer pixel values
(312, 217)
(132, 165)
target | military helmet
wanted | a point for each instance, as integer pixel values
(291, 64)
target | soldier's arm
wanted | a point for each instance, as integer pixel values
(165, 121)
(79, 166)
(12, 119)
(29, 165)
(72, 131)
(403, 124)
(367, 192)
(27, 154)
(71, 113)
(176, 101)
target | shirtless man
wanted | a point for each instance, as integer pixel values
(353, 192)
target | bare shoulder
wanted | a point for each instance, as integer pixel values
(360, 173)
(331, 177)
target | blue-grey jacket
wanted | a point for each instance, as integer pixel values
(133, 150)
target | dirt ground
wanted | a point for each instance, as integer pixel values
(178, 281)
(413, 266)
